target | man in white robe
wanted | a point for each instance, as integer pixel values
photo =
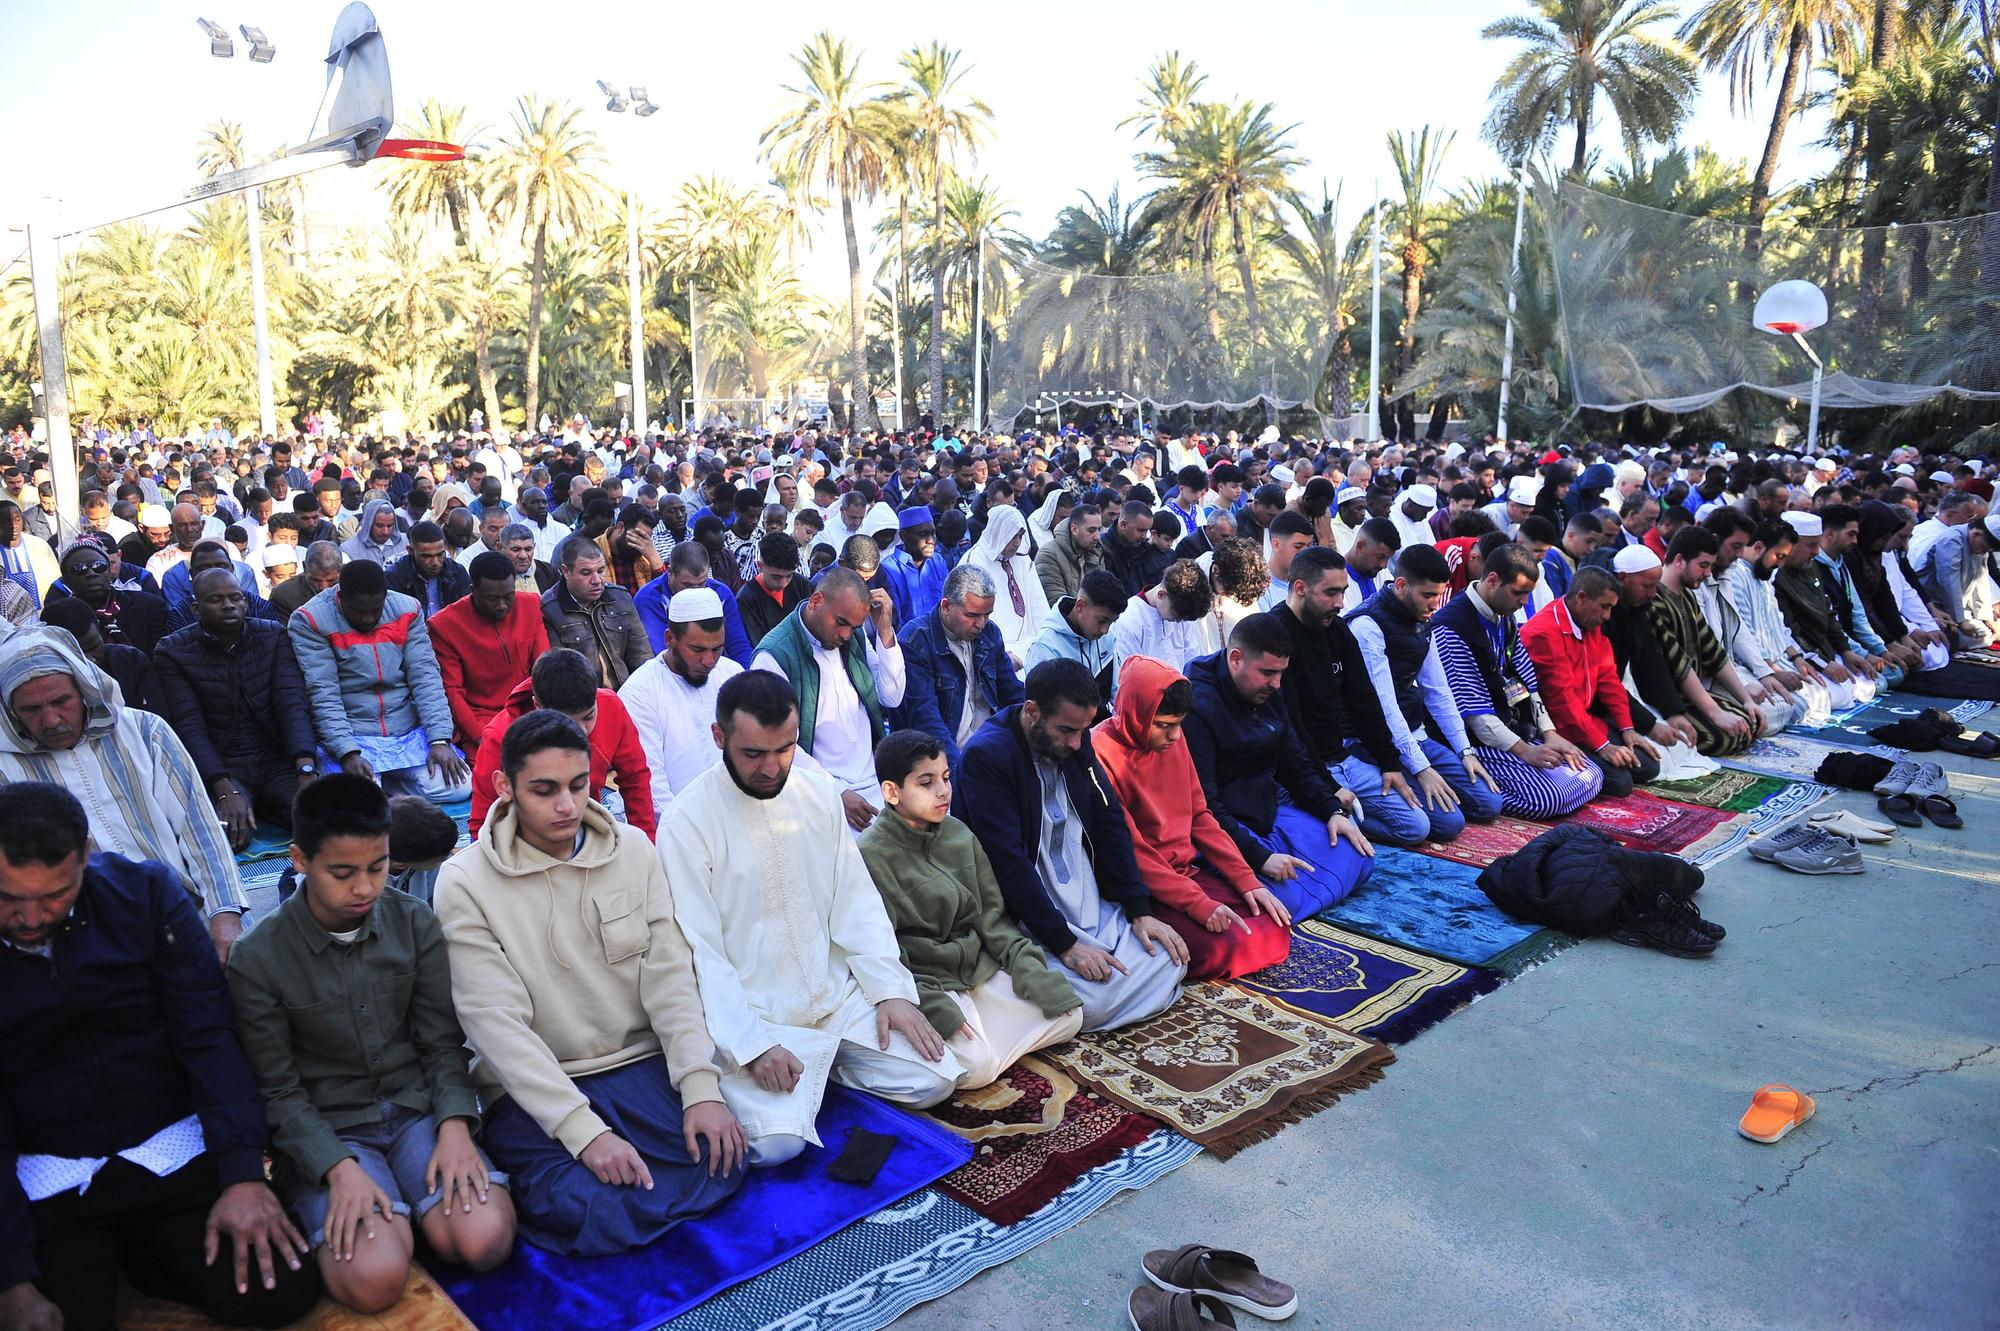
(671, 698)
(801, 975)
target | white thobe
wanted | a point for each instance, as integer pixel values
(673, 718)
(792, 946)
(1144, 631)
(1414, 531)
(843, 741)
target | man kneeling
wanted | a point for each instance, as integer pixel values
(801, 976)
(578, 993)
(987, 989)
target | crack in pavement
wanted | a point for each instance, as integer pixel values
(1786, 925)
(1783, 1183)
(1900, 1080)
(1545, 1016)
(1984, 965)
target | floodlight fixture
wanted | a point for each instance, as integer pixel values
(261, 49)
(642, 105)
(220, 45)
(614, 101)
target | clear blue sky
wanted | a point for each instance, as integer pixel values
(133, 84)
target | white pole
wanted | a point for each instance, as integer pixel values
(1375, 330)
(267, 414)
(638, 316)
(1812, 420)
(1513, 284)
(896, 330)
(979, 336)
(43, 270)
(694, 365)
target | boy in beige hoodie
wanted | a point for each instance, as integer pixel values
(577, 990)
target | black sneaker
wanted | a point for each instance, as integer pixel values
(1664, 929)
(1692, 914)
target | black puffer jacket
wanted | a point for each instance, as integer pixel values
(204, 689)
(1578, 879)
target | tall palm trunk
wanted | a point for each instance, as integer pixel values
(1850, 160)
(863, 413)
(1767, 167)
(1340, 372)
(1413, 295)
(1208, 291)
(1243, 272)
(1582, 157)
(1874, 155)
(482, 326)
(1989, 242)
(937, 295)
(538, 277)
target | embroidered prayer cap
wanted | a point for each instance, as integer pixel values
(1630, 470)
(1425, 496)
(693, 606)
(1524, 490)
(1635, 559)
(1282, 474)
(1349, 494)
(1803, 524)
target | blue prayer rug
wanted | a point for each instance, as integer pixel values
(1434, 906)
(874, 1271)
(1367, 986)
(778, 1213)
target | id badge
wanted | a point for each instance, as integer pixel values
(1517, 693)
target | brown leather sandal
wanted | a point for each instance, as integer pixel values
(1152, 1310)
(1228, 1277)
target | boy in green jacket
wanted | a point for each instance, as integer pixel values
(343, 1003)
(983, 983)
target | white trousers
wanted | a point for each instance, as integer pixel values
(1001, 1027)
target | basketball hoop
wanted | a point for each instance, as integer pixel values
(421, 150)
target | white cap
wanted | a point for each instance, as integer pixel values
(1802, 523)
(1826, 464)
(1524, 490)
(1425, 496)
(1993, 525)
(1347, 494)
(1941, 477)
(277, 552)
(1270, 435)
(1905, 469)
(694, 605)
(1630, 470)
(1635, 559)
(1454, 450)
(1281, 474)
(153, 515)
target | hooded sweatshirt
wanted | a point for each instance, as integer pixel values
(385, 553)
(565, 968)
(1161, 792)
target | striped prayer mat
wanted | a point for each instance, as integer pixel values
(1364, 985)
(1224, 1067)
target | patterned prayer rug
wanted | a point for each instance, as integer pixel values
(1725, 788)
(1034, 1132)
(874, 1271)
(1897, 706)
(1434, 906)
(1482, 843)
(777, 1214)
(1646, 822)
(1225, 1067)
(1363, 985)
(1797, 755)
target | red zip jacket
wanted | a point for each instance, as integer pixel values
(614, 748)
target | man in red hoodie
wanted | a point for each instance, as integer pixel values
(1232, 923)
(485, 644)
(567, 681)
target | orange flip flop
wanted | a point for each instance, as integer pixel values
(1774, 1111)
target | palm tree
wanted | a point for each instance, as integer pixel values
(1331, 269)
(1228, 163)
(1108, 238)
(1746, 38)
(542, 180)
(1167, 103)
(836, 132)
(1418, 161)
(944, 121)
(219, 149)
(1576, 50)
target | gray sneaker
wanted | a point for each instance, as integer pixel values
(1768, 848)
(1898, 778)
(1820, 853)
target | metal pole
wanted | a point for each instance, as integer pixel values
(1513, 285)
(694, 366)
(1812, 417)
(267, 413)
(1375, 330)
(896, 330)
(43, 275)
(979, 336)
(638, 316)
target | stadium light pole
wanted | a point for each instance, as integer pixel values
(1513, 286)
(641, 106)
(1375, 328)
(1792, 309)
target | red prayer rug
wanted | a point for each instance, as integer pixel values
(1638, 821)
(1034, 1132)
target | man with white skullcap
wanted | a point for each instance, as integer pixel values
(1350, 506)
(1412, 515)
(672, 697)
(1810, 613)
(1519, 501)
(1765, 645)
(1636, 652)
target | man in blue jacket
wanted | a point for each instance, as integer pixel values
(1032, 792)
(958, 671)
(134, 1132)
(688, 567)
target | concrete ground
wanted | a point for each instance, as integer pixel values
(1564, 1153)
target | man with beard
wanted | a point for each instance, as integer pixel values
(1368, 556)
(1037, 799)
(1072, 552)
(133, 618)
(427, 574)
(671, 698)
(486, 643)
(1580, 685)
(847, 681)
(1811, 614)
(1636, 653)
(801, 974)
(1732, 532)
(1769, 652)
(914, 571)
(532, 507)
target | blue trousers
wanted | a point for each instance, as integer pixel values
(1337, 869)
(1390, 819)
(562, 1206)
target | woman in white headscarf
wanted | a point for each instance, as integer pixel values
(1019, 607)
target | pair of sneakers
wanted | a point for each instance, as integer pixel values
(1671, 925)
(1806, 847)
